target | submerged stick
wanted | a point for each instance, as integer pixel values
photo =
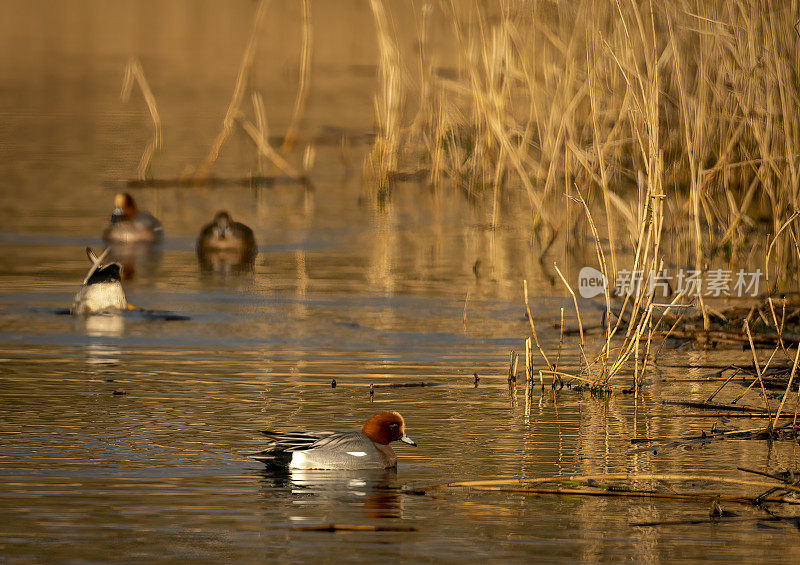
(716, 392)
(687, 497)
(735, 415)
(195, 182)
(407, 385)
(712, 520)
(601, 477)
(714, 405)
(334, 527)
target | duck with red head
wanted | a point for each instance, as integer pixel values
(131, 225)
(386, 427)
(367, 449)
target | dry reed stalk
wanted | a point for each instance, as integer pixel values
(268, 151)
(239, 89)
(260, 113)
(388, 103)
(788, 387)
(560, 344)
(135, 73)
(303, 82)
(601, 258)
(514, 370)
(533, 327)
(599, 150)
(770, 247)
(309, 156)
(559, 374)
(758, 369)
(528, 398)
(528, 361)
(512, 366)
(577, 313)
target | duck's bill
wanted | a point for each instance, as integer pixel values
(408, 440)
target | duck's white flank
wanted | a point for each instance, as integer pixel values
(100, 297)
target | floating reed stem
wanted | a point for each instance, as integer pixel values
(527, 483)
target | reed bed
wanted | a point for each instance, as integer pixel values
(679, 112)
(668, 132)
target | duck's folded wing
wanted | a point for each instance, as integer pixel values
(343, 442)
(292, 441)
(282, 444)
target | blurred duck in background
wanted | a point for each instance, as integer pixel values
(130, 225)
(101, 292)
(226, 246)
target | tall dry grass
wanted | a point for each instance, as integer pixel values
(676, 124)
(590, 93)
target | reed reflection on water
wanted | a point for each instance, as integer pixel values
(421, 289)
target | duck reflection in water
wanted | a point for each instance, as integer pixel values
(226, 246)
(376, 491)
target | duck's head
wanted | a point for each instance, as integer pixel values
(386, 427)
(124, 207)
(222, 222)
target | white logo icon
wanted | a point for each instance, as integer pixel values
(591, 282)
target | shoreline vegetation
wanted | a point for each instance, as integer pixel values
(668, 129)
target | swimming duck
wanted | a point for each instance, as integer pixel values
(130, 225)
(367, 449)
(101, 292)
(223, 244)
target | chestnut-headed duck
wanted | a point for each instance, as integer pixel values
(130, 225)
(101, 292)
(367, 449)
(224, 244)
